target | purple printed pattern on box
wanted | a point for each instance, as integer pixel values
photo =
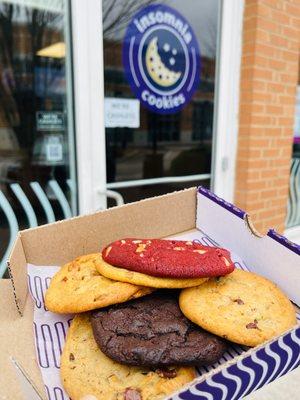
(240, 213)
(56, 393)
(284, 241)
(49, 332)
(250, 373)
(223, 203)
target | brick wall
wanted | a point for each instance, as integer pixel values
(269, 74)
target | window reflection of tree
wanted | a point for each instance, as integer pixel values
(117, 13)
(24, 31)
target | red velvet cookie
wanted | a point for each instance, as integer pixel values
(168, 258)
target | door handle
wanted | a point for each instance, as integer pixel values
(112, 194)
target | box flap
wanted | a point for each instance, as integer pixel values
(16, 340)
(271, 256)
(60, 242)
(17, 268)
(28, 387)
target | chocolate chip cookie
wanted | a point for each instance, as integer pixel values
(78, 287)
(86, 373)
(242, 307)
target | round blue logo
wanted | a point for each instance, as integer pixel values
(161, 58)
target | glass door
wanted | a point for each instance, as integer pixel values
(157, 97)
(37, 158)
(159, 88)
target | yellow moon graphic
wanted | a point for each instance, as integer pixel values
(160, 74)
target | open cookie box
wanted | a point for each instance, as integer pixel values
(193, 214)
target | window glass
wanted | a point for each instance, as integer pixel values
(36, 136)
(146, 51)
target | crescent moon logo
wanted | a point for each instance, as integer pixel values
(161, 58)
(157, 70)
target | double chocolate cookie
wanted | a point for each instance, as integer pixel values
(153, 332)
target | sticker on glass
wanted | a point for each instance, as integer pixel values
(161, 58)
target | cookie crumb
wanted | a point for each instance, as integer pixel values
(166, 373)
(132, 394)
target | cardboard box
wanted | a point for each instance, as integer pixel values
(271, 256)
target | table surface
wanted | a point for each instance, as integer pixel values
(287, 387)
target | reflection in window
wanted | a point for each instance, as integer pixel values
(163, 128)
(164, 145)
(33, 120)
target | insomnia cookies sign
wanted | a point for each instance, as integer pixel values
(161, 58)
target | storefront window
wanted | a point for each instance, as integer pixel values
(160, 60)
(36, 135)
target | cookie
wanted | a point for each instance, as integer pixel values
(86, 371)
(168, 258)
(79, 287)
(137, 278)
(242, 307)
(153, 332)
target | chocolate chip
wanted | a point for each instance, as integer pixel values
(71, 357)
(252, 325)
(167, 373)
(132, 394)
(239, 301)
(65, 279)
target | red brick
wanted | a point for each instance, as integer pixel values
(269, 75)
(268, 25)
